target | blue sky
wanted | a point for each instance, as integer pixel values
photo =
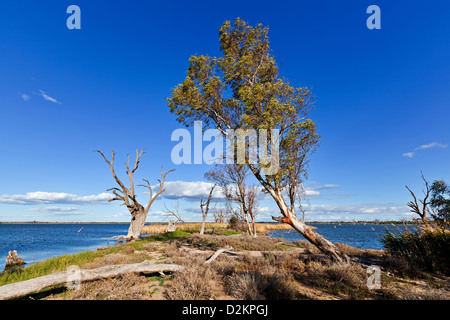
(382, 101)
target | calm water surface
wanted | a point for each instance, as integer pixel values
(36, 242)
(356, 235)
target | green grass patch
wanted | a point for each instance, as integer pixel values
(49, 266)
(168, 236)
(227, 232)
(56, 264)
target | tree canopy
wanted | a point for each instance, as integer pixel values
(440, 200)
(243, 90)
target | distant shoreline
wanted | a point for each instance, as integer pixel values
(151, 223)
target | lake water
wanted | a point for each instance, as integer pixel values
(36, 242)
(362, 236)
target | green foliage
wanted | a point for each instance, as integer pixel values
(234, 223)
(440, 201)
(425, 248)
(242, 90)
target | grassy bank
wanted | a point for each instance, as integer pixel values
(258, 268)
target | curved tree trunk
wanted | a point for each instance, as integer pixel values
(323, 244)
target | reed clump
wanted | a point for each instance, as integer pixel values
(195, 226)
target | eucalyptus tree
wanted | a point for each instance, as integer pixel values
(242, 90)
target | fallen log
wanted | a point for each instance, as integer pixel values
(22, 288)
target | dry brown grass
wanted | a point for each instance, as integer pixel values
(269, 283)
(352, 251)
(130, 286)
(195, 282)
(261, 268)
(194, 226)
(240, 242)
(342, 280)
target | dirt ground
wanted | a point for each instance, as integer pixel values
(256, 269)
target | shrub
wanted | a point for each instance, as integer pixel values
(233, 223)
(192, 283)
(266, 284)
(426, 248)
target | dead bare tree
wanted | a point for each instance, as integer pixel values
(128, 196)
(220, 214)
(232, 179)
(173, 213)
(420, 210)
(205, 208)
(252, 206)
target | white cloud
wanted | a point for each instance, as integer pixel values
(327, 186)
(41, 197)
(425, 146)
(312, 192)
(409, 154)
(25, 97)
(188, 190)
(59, 211)
(194, 190)
(55, 209)
(44, 95)
(432, 145)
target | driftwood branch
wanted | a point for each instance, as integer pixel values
(19, 289)
(217, 253)
(13, 258)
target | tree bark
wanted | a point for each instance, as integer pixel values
(19, 289)
(205, 208)
(323, 244)
(136, 224)
(202, 229)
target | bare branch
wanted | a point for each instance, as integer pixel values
(414, 206)
(125, 191)
(132, 194)
(207, 201)
(161, 189)
(174, 213)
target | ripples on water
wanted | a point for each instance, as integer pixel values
(36, 242)
(356, 235)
